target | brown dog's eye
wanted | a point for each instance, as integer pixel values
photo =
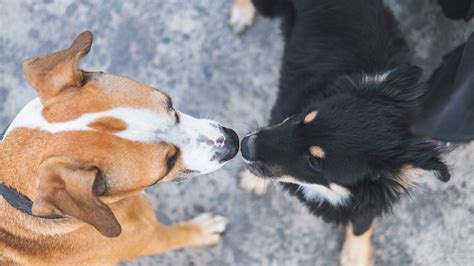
(99, 187)
(170, 106)
(172, 161)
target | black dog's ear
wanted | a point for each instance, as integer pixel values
(426, 155)
(402, 85)
(438, 167)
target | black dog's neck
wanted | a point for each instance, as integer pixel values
(323, 44)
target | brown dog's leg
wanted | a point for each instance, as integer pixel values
(357, 250)
(203, 230)
(242, 15)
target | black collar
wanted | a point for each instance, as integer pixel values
(22, 203)
(18, 201)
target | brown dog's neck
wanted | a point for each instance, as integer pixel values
(17, 166)
(17, 171)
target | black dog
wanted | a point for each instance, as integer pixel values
(348, 98)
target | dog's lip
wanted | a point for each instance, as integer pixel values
(255, 132)
(250, 165)
(225, 155)
(232, 151)
(246, 162)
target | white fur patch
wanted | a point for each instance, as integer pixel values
(196, 138)
(336, 195)
(142, 124)
(377, 78)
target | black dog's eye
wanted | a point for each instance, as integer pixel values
(172, 161)
(314, 163)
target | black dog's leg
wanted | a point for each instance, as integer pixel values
(271, 8)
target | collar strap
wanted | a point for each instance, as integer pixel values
(22, 203)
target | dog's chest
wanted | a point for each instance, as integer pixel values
(334, 194)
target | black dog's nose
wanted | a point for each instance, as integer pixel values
(248, 148)
(231, 143)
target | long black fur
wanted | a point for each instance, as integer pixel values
(348, 61)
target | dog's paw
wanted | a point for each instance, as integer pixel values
(357, 250)
(242, 15)
(209, 228)
(253, 184)
(351, 257)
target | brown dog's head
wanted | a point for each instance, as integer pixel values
(94, 138)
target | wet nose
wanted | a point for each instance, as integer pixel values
(248, 148)
(231, 144)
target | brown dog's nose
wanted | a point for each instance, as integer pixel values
(231, 144)
(248, 148)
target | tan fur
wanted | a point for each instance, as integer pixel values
(103, 92)
(94, 178)
(108, 124)
(357, 250)
(30, 241)
(310, 117)
(252, 183)
(317, 151)
(408, 178)
(242, 15)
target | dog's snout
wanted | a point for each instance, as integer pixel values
(231, 144)
(248, 148)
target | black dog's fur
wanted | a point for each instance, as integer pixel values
(346, 60)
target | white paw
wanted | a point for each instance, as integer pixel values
(242, 15)
(253, 184)
(211, 227)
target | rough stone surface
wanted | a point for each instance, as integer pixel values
(187, 49)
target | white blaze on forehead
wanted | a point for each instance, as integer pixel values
(196, 138)
(334, 194)
(142, 124)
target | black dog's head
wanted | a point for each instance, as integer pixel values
(360, 130)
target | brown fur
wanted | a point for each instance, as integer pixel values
(109, 124)
(310, 117)
(317, 151)
(30, 241)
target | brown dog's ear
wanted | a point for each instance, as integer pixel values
(52, 73)
(69, 188)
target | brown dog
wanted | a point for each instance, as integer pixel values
(74, 164)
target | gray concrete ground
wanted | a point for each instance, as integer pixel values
(187, 49)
